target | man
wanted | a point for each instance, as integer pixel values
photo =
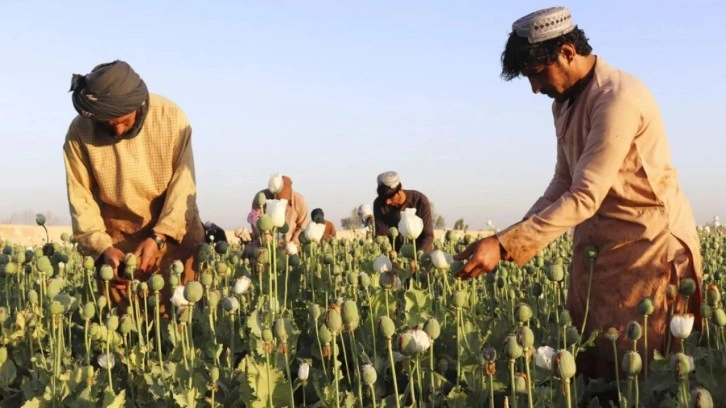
(296, 214)
(213, 233)
(318, 216)
(614, 184)
(392, 199)
(130, 178)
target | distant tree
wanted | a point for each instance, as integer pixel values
(440, 223)
(459, 225)
(27, 217)
(352, 222)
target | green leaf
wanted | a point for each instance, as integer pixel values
(257, 382)
(112, 400)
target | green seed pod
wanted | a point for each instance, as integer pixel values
(20, 257)
(106, 273)
(40, 219)
(633, 330)
(681, 365)
(193, 291)
(364, 280)
(563, 365)
(265, 223)
(315, 311)
(33, 297)
(333, 320)
(565, 318)
(267, 335)
(369, 375)
(206, 279)
(687, 287)
(407, 251)
(512, 349)
(701, 398)
(645, 307)
(393, 232)
(632, 363)
(230, 304)
(112, 323)
(126, 324)
(706, 311)
(351, 317)
(719, 317)
(157, 283)
(442, 365)
(713, 294)
(65, 237)
(3, 355)
(591, 252)
(525, 337)
(281, 332)
(284, 229)
(89, 311)
(572, 335)
(177, 267)
(214, 374)
(88, 263)
(223, 270)
(459, 298)
(325, 335)
(671, 293)
(95, 330)
(536, 289)
(144, 287)
(555, 273)
(214, 297)
(11, 268)
(432, 328)
(523, 313)
(101, 302)
(56, 308)
(386, 326)
(44, 265)
(221, 247)
(520, 383)
(130, 260)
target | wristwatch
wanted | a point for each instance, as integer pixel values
(160, 242)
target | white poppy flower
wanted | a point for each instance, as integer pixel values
(276, 210)
(411, 225)
(382, 264)
(178, 298)
(440, 259)
(275, 183)
(314, 231)
(681, 325)
(543, 357)
(242, 285)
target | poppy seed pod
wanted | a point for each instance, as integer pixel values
(572, 335)
(706, 311)
(393, 232)
(230, 304)
(523, 313)
(3, 355)
(565, 318)
(645, 307)
(713, 294)
(632, 363)
(333, 320)
(525, 337)
(687, 287)
(267, 335)
(281, 329)
(432, 328)
(563, 365)
(130, 260)
(591, 252)
(106, 272)
(612, 334)
(206, 279)
(681, 365)
(459, 298)
(112, 323)
(324, 334)
(265, 223)
(633, 330)
(701, 398)
(520, 383)
(89, 311)
(556, 272)
(512, 349)
(260, 200)
(193, 291)
(126, 324)
(88, 263)
(214, 374)
(386, 326)
(351, 318)
(40, 219)
(719, 317)
(368, 372)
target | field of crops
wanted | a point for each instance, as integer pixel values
(344, 323)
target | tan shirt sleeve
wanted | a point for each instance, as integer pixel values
(301, 217)
(615, 121)
(89, 228)
(182, 186)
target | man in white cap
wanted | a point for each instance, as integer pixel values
(392, 199)
(613, 182)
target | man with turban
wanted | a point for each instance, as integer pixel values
(318, 216)
(614, 183)
(130, 179)
(392, 199)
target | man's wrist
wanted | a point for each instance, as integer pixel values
(160, 239)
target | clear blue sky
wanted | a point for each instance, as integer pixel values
(332, 93)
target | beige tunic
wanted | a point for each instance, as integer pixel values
(120, 192)
(296, 214)
(615, 184)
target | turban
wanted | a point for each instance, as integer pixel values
(110, 91)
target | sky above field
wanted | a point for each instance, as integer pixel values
(332, 93)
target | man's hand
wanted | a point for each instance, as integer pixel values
(485, 254)
(147, 254)
(113, 257)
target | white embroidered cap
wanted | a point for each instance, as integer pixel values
(545, 24)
